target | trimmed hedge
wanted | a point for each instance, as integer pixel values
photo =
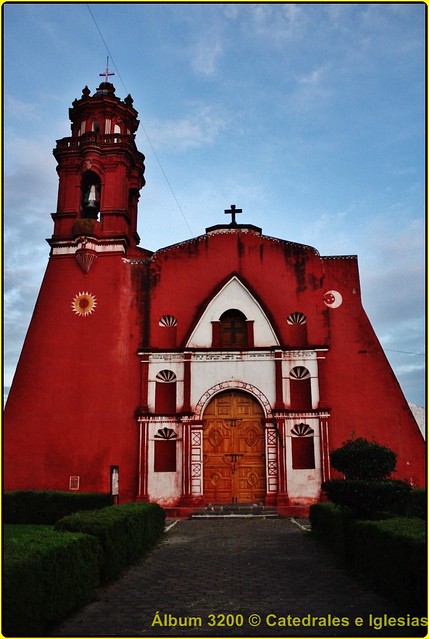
(417, 505)
(125, 533)
(390, 553)
(365, 498)
(48, 573)
(331, 524)
(47, 506)
(45, 577)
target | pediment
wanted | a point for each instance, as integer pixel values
(233, 295)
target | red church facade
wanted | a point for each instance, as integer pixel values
(221, 369)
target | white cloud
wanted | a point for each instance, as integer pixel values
(206, 53)
(15, 108)
(278, 23)
(200, 128)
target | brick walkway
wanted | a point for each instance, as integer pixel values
(268, 568)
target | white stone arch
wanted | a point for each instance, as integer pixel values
(233, 385)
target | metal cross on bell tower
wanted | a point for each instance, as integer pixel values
(232, 212)
(106, 73)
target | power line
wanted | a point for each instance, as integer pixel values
(391, 350)
(166, 179)
(141, 126)
(107, 48)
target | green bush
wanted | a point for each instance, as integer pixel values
(124, 532)
(390, 554)
(417, 505)
(361, 459)
(366, 498)
(47, 506)
(45, 576)
(331, 524)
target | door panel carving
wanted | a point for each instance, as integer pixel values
(234, 447)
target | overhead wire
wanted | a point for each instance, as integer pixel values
(391, 350)
(141, 126)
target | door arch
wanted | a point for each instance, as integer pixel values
(233, 449)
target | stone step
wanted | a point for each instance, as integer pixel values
(234, 510)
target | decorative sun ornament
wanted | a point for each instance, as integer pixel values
(84, 304)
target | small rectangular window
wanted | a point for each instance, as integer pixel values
(165, 456)
(303, 452)
(165, 398)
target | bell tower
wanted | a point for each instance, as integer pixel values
(77, 376)
(100, 174)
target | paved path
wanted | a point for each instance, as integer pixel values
(265, 572)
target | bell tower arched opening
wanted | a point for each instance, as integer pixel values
(91, 195)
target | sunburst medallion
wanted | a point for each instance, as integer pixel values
(84, 304)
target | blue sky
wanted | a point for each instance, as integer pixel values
(309, 117)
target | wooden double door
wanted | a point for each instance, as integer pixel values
(234, 449)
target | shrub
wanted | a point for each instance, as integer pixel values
(46, 507)
(331, 524)
(366, 498)
(417, 504)
(124, 532)
(45, 576)
(361, 459)
(390, 554)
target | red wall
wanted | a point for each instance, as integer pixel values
(72, 402)
(356, 380)
(71, 409)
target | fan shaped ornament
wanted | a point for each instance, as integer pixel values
(166, 376)
(84, 304)
(302, 430)
(299, 372)
(296, 318)
(165, 433)
(168, 320)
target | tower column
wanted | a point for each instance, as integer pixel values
(282, 494)
(186, 497)
(278, 360)
(186, 383)
(142, 488)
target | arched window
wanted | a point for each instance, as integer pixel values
(91, 194)
(233, 331)
(302, 447)
(300, 388)
(165, 392)
(297, 329)
(165, 451)
(168, 333)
